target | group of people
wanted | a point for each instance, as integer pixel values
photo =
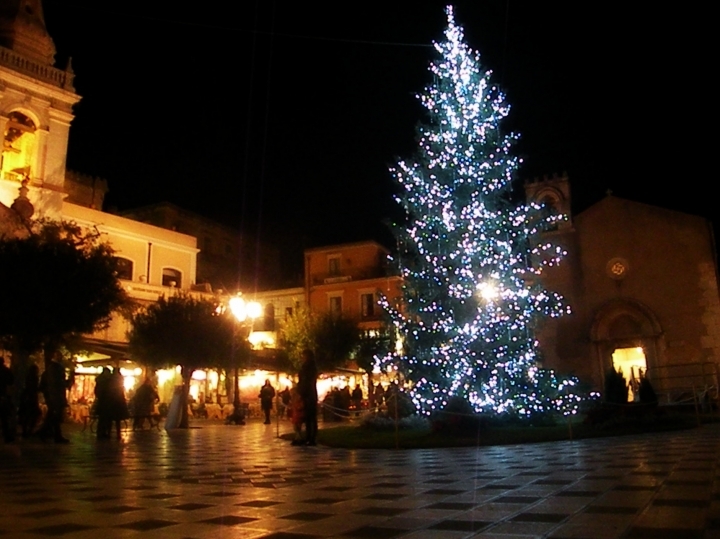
(111, 407)
(53, 384)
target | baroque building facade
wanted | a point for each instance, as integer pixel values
(36, 111)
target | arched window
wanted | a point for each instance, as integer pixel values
(171, 277)
(18, 149)
(124, 268)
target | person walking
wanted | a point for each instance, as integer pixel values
(307, 387)
(54, 386)
(116, 401)
(267, 394)
(101, 406)
(144, 400)
(7, 408)
(29, 411)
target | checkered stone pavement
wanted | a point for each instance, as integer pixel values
(232, 482)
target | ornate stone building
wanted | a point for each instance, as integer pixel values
(642, 284)
(36, 110)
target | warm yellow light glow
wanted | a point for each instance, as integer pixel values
(262, 339)
(80, 369)
(242, 310)
(199, 375)
(254, 309)
(165, 375)
(632, 363)
(238, 308)
(256, 379)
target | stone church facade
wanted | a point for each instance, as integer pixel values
(642, 284)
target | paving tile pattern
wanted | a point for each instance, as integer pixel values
(243, 482)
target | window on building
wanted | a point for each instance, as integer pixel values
(335, 304)
(18, 149)
(124, 268)
(367, 305)
(171, 277)
(334, 265)
(269, 317)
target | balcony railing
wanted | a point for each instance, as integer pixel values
(343, 277)
(51, 75)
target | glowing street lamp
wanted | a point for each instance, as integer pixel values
(242, 311)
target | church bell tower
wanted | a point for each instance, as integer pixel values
(36, 101)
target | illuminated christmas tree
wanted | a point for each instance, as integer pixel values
(470, 259)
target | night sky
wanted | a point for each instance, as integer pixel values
(283, 117)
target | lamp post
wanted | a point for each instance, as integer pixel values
(242, 311)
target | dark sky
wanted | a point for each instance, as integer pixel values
(284, 116)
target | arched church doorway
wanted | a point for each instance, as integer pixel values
(632, 363)
(626, 336)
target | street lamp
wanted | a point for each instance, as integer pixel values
(242, 311)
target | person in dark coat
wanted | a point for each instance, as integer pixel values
(285, 399)
(267, 394)
(307, 388)
(144, 399)
(7, 409)
(116, 400)
(357, 398)
(54, 386)
(101, 405)
(29, 412)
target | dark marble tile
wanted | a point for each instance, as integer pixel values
(258, 503)
(118, 509)
(43, 513)
(190, 506)
(452, 506)
(539, 517)
(324, 501)
(610, 510)
(444, 491)
(147, 525)
(381, 511)
(229, 520)
(307, 516)
(62, 529)
(381, 496)
(516, 499)
(460, 525)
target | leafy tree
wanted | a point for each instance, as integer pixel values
(469, 257)
(60, 283)
(332, 337)
(186, 331)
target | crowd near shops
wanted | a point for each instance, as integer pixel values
(113, 398)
